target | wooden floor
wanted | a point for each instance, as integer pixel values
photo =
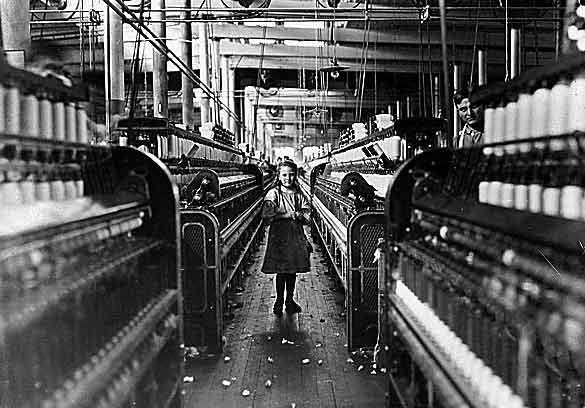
(332, 377)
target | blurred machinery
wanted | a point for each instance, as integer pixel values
(347, 188)
(484, 302)
(220, 200)
(91, 308)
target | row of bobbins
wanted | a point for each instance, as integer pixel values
(547, 185)
(487, 386)
(545, 105)
(26, 179)
(43, 114)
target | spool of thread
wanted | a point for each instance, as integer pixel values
(535, 198)
(57, 190)
(521, 197)
(43, 191)
(29, 120)
(507, 195)
(2, 109)
(70, 122)
(80, 187)
(577, 103)
(70, 189)
(488, 125)
(395, 147)
(571, 202)
(11, 194)
(559, 111)
(495, 193)
(540, 115)
(81, 122)
(27, 188)
(551, 201)
(46, 119)
(159, 146)
(499, 124)
(483, 192)
(59, 127)
(523, 121)
(510, 126)
(12, 110)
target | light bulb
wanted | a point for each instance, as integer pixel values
(334, 74)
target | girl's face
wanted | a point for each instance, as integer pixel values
(287, 176)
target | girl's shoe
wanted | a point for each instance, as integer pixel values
(292, 307)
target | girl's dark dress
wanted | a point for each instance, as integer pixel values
(288, 249)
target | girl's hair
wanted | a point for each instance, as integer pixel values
(292, 165)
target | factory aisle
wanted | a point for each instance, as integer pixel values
(304, 356)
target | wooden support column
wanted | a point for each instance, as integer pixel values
(159, 65)
(215, 79)
(187, 113)
(113, 67)
(225, 91)
(204, 70)
(233, 125)
(15, 23)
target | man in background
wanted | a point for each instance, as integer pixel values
(472, 117)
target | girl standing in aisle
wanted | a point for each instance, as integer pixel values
(287, 253)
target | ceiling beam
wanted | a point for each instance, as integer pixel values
(355, 35)
(390, 53)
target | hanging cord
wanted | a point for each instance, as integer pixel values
(475, 43)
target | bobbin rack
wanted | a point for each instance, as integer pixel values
(90, 299)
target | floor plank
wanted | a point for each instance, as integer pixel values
(255, 334)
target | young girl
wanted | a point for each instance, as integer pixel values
(287, 252)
